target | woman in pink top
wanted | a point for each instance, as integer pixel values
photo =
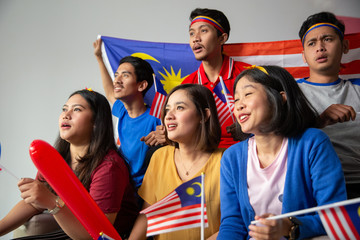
(283, 167)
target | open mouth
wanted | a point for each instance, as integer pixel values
(197, 48)
(243, 117)
(171, 126)
(321, 59)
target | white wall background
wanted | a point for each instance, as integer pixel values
(46, 53)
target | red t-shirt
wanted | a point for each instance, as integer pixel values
(111, 190)
(229, 71)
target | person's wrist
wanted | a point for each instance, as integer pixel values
(99, 57)
(294, 230)
(59, 204)
(287, 224)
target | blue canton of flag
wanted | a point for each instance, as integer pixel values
(103, 236)
(171, 62)
(190, 192)
(224, 108)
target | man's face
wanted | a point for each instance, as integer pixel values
(204, 41)
(125, 84)
(323, 50)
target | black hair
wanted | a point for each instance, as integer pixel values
(322, 17)
(102, 137)
(143, 70)
(289, 118)
(214, 14)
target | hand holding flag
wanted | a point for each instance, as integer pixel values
(341, 220)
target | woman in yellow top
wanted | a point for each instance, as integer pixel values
(193, 133)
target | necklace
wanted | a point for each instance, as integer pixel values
(182, 163)
(186, 171)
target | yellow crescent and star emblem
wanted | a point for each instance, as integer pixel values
(191, 190)
(171, 79)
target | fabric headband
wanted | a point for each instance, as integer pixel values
(321, 25)
(208, 20)
(257, 67)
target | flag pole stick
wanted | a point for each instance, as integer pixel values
(154, 78)
(309, 210)
(227, 100)
(9, 172)
(6, 170)
(202, 207)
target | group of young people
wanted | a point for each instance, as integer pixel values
(284, 162)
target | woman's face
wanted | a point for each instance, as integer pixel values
(76, 121)
(252, 108)
(181, 118)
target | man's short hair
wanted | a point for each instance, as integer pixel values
(214, 14)
(143, 70)
(322, 17)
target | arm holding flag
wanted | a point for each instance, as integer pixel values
(277, 228)
(105, 76)
(317, 177)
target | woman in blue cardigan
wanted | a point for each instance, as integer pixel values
(282, 167)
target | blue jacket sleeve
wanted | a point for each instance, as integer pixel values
(232, 224)
(316, 175)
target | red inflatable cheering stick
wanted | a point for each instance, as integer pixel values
(62, 179)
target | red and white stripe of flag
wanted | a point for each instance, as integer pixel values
(288, 54)
(157, 105)
(180, 219)
(338, 224)
(223, 110)
(168, 215)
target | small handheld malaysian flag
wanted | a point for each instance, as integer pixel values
(181, 209)
(159, 99)
(341, 220)
(224, 102)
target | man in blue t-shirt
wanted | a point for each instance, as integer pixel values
(336, 100)
(133, 78)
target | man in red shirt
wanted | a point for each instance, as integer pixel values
(209, 30)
